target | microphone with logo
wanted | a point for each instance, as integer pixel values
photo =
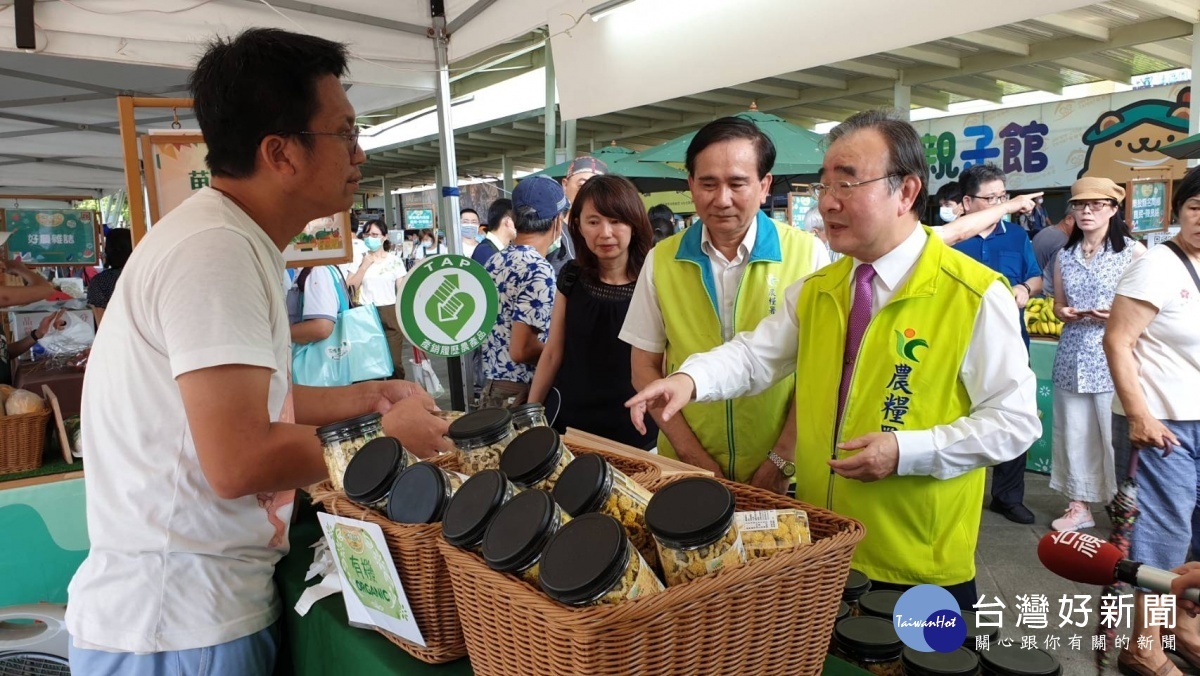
(1087, 559)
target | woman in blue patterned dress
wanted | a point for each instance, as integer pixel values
(1089, 267)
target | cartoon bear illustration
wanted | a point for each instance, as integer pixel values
(1129, 138)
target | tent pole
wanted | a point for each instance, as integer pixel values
(551, 123)
(461, 386)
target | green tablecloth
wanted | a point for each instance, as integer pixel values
(310, 640)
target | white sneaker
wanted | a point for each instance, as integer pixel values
(1077, 517)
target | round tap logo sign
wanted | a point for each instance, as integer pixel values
(928, 619)
(448, 305)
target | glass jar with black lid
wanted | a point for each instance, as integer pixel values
(857, 584)
(590, 562)
(879, 603)
(591, 484)
(692, 522)
(1013, 660)
(421, 494)
(518, 534)
(961, 662)
(976, 632)
(536, 458)
(373, 470)
(480, 438)
(341, 441)
(529, 415)
(870, 643)
(473, 507)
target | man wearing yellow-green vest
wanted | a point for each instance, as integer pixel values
(700, 287)
(902, 354)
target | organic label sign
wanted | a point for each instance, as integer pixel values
(51, 236)
(371, 587)
(448, 305)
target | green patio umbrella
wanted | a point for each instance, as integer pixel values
(797, 150)
(1183, 149)
(647, 176)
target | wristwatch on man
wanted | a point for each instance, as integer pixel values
(786, 467)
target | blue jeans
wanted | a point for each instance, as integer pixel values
(252, 655)
(1168, 522)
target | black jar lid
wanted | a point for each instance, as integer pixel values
(879, 603)
(526, 410)
(843, 611)
(518, 534)
(961, 662)
(999, 660)
(486, 422)
(473, 507)
(690, 512)
(584, 559)
(532, 456)
(868, 638)
(974, 630)
(344, 425)
(420, 495)
(583, 485)
(857, 584)
(370, 473)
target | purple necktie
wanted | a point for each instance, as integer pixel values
(860, 316)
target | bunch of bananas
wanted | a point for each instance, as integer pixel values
(1040, 319)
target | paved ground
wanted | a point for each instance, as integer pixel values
(1008, 566)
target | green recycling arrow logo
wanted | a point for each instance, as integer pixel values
(450, 308)
(447, 305)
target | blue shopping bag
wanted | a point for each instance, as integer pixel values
(355, 351)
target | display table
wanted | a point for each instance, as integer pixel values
(65, 381)
(323, 642)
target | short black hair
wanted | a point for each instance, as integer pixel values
(906, 152)
(978, 174)
(528, 222)
(498, 211)
(732, 129)
(661, 211)
(1188, 188)
(949, 193)
(262, 82)
(118, 246)
(467, 210)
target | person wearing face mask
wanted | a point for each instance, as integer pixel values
(468, 226)
(525, 282)
(376, 281)
(949, 198)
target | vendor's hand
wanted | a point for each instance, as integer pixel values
(1021, 295)
(1067, 314)
(1022, 204)
(421, 432)
(390, 392)
(1189, 578)
(671, 393)
(878, 458)
(57, 320)
(768, 477)
(1148, 432)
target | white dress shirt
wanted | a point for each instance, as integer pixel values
(644, 327)
(1002, 388)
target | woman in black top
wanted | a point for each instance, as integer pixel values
(583, 356)
(118, 246)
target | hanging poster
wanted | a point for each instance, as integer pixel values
(325, 241)
(799, 204)
(52, 236)
(1148, 205)
(175, 169)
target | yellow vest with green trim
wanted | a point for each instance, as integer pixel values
(737, 434)
(920, 530)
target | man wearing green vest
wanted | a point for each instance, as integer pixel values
(900, 356)
(700, 287)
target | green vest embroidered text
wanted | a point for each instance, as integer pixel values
(919, 529)
(737, 434)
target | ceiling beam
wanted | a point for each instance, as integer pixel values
(805, 78)
(927, 55)
(63, 163)
(1044, 80)
(1098, 66)
(765, 89)
(730, 99)
(929, 97)
(855, 66)
(1184, 11)
(465, 18)
(1166, 51)
(1074, 26)
(685, 106)
(69, 126)
(653, 113)
(996, 42)
(975, 89)
(344, 15)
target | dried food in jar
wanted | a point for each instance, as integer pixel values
(692, 522)
(529, 415)
(517, 535)
(857, 584)
(770, 531)
(422, 493)
(480, 438)
(340, 441)
(373, 471)
(536, 459)
(591, 484)
(590, 562)
(871, 644)
(473, 507)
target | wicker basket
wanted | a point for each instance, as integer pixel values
(771, 616)
(22, 441)
(641, 471)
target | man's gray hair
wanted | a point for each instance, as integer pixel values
(906, 152)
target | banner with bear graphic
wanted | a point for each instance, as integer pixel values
(1115, 136)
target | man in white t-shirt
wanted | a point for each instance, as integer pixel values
(196, 440)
